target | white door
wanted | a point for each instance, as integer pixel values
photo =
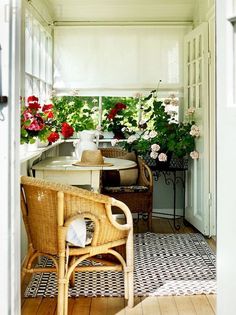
(9, 147)
(196, 96)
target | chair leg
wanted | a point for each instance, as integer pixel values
(66, 298)
(126, 284)
(61, 286)
(72, 278)
(131, 289)
(150, 221)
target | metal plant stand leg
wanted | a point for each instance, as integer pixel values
(173, 181)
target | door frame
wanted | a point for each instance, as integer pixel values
(226, 156)
(9, 159)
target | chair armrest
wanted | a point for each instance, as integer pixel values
(145, 174)
(123, 207)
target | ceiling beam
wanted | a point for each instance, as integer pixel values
(122, 23)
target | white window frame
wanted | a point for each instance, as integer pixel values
(38, 81)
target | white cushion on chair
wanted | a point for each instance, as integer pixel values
(76, 233)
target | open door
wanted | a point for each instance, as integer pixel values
(196, 96)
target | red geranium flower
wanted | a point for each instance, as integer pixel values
(112, 114)
(66, 130)
(37, 123)
(49, 114)
(32, 99)
(34, 106)
(53, 137)
(47, 107)
(120, 106)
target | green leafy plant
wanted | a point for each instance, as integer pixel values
(40, 122)
(116, 118)
(80, 112)
(166, 136)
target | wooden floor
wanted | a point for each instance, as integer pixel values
(168, 305)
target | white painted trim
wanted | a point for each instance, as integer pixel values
(30, 155)
(116, 91)
(122, 23)
(9, 161)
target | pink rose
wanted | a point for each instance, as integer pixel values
(162, 157)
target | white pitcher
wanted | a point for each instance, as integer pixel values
(85, 142)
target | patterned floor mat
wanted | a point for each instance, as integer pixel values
(165, 264)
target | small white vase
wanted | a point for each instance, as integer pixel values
(85, 142)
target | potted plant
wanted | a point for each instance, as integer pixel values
(119, 116)
(38, 123)
(162, 136)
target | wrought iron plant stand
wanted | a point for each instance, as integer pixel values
(173, 173)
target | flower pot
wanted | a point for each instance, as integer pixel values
(118, 134)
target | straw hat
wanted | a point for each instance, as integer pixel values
(92, 158)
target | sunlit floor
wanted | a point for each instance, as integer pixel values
(168, 305)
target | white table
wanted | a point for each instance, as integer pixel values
(60, 169)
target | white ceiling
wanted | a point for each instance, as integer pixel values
(121, 10)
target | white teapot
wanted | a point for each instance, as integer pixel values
(85, 142)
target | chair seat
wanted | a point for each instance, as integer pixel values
(127, 189)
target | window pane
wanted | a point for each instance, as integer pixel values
(42, 95)
(28, 43)
(36, 87)
(49, 60)
(200, 46)
(42, 56)
(36, 49)
(28, 86)
(200, 96)
(48, 92)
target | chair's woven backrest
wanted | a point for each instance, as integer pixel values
(113, 152)
(118, 152)
(42, 202)
(97, 208)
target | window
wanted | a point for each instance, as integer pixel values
(90, 112)
(38, 59)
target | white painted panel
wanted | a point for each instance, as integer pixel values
(118, 57)
(196, 81)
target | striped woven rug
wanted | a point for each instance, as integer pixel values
(165, 264)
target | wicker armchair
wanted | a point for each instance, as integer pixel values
(49, 208)
(138, 201)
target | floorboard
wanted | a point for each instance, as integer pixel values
(184, 305)
(202, 305)
(150, 306)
